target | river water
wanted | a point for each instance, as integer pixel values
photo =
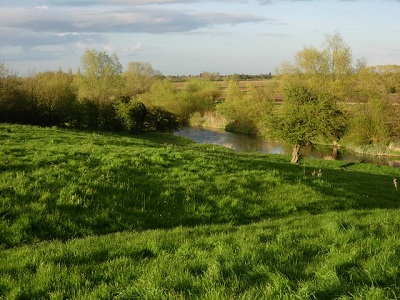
(246, 143)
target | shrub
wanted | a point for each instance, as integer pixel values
(159, 119)
(370, 124)
(94, 115)
(132, 115)
(53, 96)
(246, 111)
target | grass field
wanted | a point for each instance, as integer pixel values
(95, 215)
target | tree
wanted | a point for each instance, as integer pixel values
(306, 117)
(100, 80)
(332, 61)
(14, 106)
(330, 68)
(99, 88)
(138, 78)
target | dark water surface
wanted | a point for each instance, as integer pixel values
(245, 143)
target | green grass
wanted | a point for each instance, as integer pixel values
(94, 215)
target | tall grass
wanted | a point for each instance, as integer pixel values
(94, 215)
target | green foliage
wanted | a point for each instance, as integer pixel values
(159, 119)
(307, 117)
(138, 78)
(100, 81)
(162, 93)
(370, 123)
(92, 115)
(99, 88)
(231, 106)
(14, 106)
(207, 90)
(199, 96)
(54, 97)
(247, 111)
(329, 69)
(333, 60)
(133, 115)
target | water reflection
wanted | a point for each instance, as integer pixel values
(245, 143)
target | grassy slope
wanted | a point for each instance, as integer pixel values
(88, 215)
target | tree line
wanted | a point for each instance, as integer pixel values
(100, 97)
(328, 97)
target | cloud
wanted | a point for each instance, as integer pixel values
(143, 20)
(42, 7)
(276, 35)
(130, 50)
(77, 25)
(79, 3)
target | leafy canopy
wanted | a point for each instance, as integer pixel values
(100, 81)
(308, 116)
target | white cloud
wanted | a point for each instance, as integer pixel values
(44, 7)
(112, 48)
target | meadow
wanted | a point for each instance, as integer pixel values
(99, 215)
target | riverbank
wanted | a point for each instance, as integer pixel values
(216, 122)
(98, 215)
(250, 143)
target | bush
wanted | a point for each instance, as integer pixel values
(198, 96)
(370, 124)
(53, 96)
(159, 119)
(94, 115)
(246, 111)
(132, 115)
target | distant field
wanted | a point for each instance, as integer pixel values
(243, 85)
(97, 215)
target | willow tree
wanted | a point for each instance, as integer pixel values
(307, 117)
(312, 86)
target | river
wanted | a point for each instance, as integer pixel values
(246, 143)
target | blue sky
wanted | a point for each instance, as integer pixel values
(189, 37)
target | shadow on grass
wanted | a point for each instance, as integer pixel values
(138, 183)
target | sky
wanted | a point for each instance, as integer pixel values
(189, 37)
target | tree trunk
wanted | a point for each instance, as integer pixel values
(335, 152)
(295, 154)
